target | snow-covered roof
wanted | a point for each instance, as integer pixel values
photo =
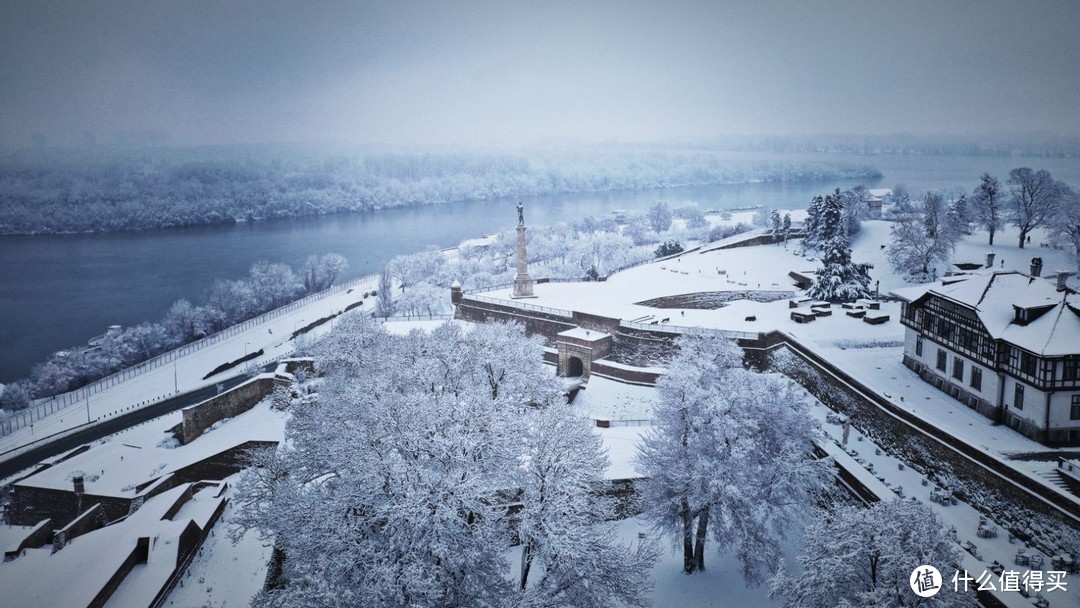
(995, 296)
(116, 467)
(74, 575)
(580, 333)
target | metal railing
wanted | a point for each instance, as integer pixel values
(421, 317)
(692, 331)
(49, 405)
(522, 305)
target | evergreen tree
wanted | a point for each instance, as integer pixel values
(813, 221)
(831, 223)
(839, 278)
(988, 205)
(777, 225)
(787, 226)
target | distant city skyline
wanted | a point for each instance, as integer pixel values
(466, 73)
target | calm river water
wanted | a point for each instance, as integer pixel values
(57, 291)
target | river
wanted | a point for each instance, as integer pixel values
(57, 291)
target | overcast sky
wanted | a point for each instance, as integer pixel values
(507, 72)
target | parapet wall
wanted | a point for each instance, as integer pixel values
(236, 401)
(1030, 510)
(536, 322)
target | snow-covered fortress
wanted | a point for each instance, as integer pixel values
(1004, 343)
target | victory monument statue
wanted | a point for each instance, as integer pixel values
(523, 283)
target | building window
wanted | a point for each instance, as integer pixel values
(1074, 411)
(918, 346)
(1018, 396)
(958, 368)
(1027, 364)
(941, 359)
(976, 378)
(1070, 370)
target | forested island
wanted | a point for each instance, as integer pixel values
(113, 189)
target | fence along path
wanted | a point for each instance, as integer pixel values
(48, 405)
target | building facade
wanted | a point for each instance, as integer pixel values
(1003, 343)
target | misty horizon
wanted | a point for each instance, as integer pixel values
(479, 73)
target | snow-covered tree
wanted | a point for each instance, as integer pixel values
(839, 279)
(825, 220)
(857, 557)
(761, 217)
(384, 304)
(396, 482)
(959, 214)
(787, 226)
(273, 285)
(423, 298)
(669, 248)
(320, 272)
(659, 217)
(694, 216)
(728, 456)
(855, 209)
(987, 205)
(1034, 198)
(182, 322)
(15, 396)
(831, 224)
(1064, 226)
(777, 226)
(416, 267)
(558, 524)
(922, 238)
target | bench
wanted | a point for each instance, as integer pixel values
(875, 319)
(802, 317)
(797, 302)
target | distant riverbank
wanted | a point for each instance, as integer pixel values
(80, 193)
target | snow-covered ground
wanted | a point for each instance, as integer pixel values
(224, 574)
(604, 399)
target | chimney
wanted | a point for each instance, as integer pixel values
(78, 482)
(1062, 279)
(1036, 267)
(455, 292)
(990, 259)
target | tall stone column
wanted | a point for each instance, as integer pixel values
(523, 283)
